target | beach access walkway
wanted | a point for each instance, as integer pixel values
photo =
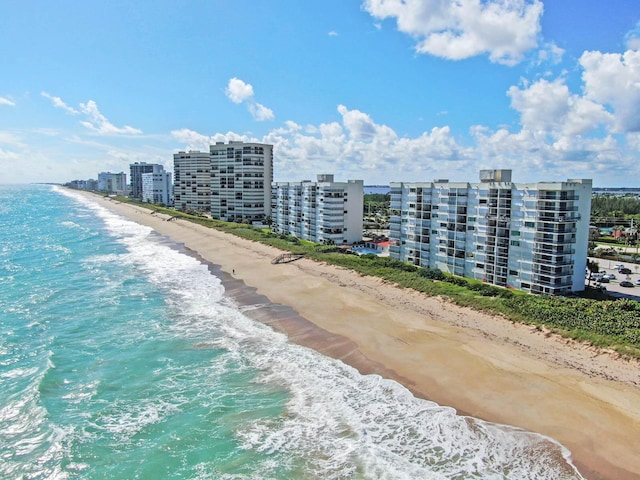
(287, 258)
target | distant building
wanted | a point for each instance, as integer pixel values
(90, 184)
(112, 182)
(136, 170)
(527, 236)
(157, 188)
(322, 212)
(241, 176)
(192, 181)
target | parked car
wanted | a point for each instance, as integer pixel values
(604, 279)
(625, 271)
(610, 276)
(638, 281)
(618, 266)
(625, 283)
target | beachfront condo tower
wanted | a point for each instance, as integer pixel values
(325, 211)
(136, 170)
(527, 236)
(112, 182)
(157, 188)
(241, 176)
(192, 181)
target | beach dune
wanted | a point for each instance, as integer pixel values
(481, 365)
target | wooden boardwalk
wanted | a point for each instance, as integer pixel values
(287, 257)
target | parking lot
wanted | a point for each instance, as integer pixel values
(613, 287)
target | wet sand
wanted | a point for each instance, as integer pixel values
(482, 365)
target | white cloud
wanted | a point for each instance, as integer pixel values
(505, 29)
(98, 122)
(193, 140)
(613, 79)
(7, 101)
(8, 155)
(333, 33)
(260, 112)
(602, 159)
(632, 38)
(562, 132)
(550, 53)
(548, 108)
(359, 148)
(11, 139)
(545, 148)
(238, 92)
(58, 103)
(362, 128)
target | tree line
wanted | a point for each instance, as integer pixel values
(612, 210)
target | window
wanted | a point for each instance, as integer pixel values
(530, 224)
(513, 272)
(515, 233)
(515, 243)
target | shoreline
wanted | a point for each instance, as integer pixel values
(481, 365)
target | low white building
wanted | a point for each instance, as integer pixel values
(325, 211)
(157, 188)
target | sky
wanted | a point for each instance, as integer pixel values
(375, 90)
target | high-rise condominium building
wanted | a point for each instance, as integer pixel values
(241, 176)
(112, 182)
(157, 188)
(527, 236)
(322, 212)
(136, 170)
(192, 181)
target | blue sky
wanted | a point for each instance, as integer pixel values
(379, 90)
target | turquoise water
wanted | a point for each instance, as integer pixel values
(121, 358)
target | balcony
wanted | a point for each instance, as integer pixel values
(556, 283)
(553, 270)
(555, 239)
(559, 196)
(547, 250)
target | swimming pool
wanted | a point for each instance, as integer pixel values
(364, 250)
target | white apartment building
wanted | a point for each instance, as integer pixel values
(112, 182)
(157, 187)
(136, 171)
(527, 236)
(241, 176)
(322, 212)
(192, 181)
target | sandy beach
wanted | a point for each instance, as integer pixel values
(483, 366)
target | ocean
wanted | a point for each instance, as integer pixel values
(121, 357)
